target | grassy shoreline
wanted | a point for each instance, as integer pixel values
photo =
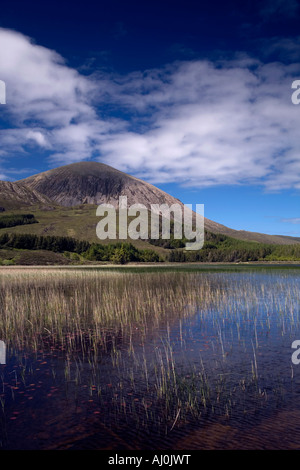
(183, 266)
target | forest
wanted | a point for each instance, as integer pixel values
(119, 253)
(19, 219)
(217, 248)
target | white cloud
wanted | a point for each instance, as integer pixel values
(292, 220)
(39, 83)
(46, 100)
(38, 137)
(229, 123)
(196, 123)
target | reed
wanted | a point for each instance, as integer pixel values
(122, 323)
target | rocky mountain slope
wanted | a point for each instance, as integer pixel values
(14, 195)
(96, 183)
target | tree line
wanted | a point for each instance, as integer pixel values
(221, 248)
(17, 219)
(217, 248)
(120, 253)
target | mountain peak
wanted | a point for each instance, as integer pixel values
(90, 182)
(94, 183)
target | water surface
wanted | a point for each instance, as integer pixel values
(215, 373)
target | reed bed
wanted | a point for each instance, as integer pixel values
(63, 307)
(137, 329)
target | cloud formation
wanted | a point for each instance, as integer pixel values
(198, 123)
(46, 101)
(292, 220)
(210, 124)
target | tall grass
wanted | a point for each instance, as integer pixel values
(77, 308)
(127, 317)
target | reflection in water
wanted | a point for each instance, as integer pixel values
(2, 352)
(216, 374)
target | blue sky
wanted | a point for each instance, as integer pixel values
(194, 97)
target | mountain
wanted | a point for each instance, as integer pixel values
(87, 184)
(16, 195)
(93, 183)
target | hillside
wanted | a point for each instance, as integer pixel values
(93, 183)
(22, 249)
(16, 195)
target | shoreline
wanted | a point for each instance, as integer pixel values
(156, 265)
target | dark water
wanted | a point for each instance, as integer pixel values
(230, 382)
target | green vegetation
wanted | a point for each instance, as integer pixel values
(61, 230)
(76, 222)
(74, 247)
(221, 248)
(13, 220)
(119, 253)
(34, 242)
